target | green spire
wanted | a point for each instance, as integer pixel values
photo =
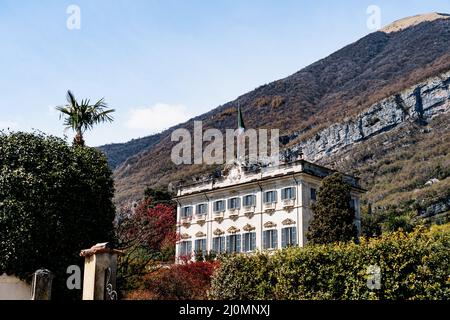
(241, 125)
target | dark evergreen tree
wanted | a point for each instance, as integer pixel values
(333, 216)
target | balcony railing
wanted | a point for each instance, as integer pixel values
(233, 213)
(270, 207)
(201, 217)
(185, 220)
(288, 203)
(249, 209)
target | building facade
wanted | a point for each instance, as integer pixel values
(252, 208)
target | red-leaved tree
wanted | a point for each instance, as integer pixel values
(147, 234)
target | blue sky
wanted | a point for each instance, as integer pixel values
(160, 62)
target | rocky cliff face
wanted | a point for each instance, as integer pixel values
(416, 104)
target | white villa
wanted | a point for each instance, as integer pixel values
(248, 209)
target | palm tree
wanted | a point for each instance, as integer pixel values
(82, 116)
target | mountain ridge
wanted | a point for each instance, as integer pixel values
(339, 86)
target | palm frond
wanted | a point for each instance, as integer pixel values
(71, 99)
(83, 116)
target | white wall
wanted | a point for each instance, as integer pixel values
(12, 288)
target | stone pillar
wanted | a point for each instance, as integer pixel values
(100, 268)
(41, 287)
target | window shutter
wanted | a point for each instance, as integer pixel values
(238, 243)
(238, 203)
(294, 195)
(283, 237)
(245, 243)
(275, 239)
(253, 242)
(189, 248)
(294, 236)
(222, 244)
(265, 244)
(275, 196)
(228, 244)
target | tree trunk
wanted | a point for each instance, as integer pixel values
(78, 140)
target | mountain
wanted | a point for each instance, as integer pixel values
(327, 94)
(118, 153)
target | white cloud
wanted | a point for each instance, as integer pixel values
(158, 117)
(9, 125)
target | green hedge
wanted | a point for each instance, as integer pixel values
(413, 266)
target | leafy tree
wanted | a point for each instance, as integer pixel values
(158, 196)
(147, 234)
(83, 116)
(55, 200)
(371, 224)
(333, 217)
(395, 221)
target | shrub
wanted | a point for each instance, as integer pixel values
(55, 200)
(188, 281)
(413, 266)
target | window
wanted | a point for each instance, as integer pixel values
(200, 246)
(234, 203)
(185, 248)
(186, 212)
(249, 200)
(219, 244)
(288, 237)
(313, 194)
(219, 206)
(202, 209)
(234, 243)
(270, 240)
(270, 197)
(249, 241)
(353, 204)
(288, 193)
